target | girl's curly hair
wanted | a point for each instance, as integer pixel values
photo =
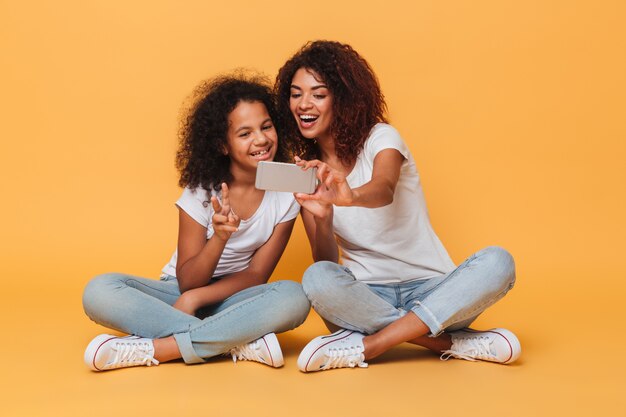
(358, 103)
(204, 127)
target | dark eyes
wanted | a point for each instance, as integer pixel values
(247, 133)
(316, 96)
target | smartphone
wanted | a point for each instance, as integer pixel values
(278, 176)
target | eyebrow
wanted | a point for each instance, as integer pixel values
(317, 87)
(269, 119)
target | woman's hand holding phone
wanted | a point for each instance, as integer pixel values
(333, 187)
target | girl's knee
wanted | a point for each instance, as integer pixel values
(293, 302)
(294, 294)
(95, 294)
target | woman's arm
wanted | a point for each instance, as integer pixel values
(197, 256)
(319, 230)
(258, 272)
(377, 192)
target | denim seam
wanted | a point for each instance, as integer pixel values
(126, 281)
(483, 306)
(399, 300)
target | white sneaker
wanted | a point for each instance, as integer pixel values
(265, 350)
(110, 352)
(495, 345)
(342, 349)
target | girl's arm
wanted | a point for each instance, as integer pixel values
(377, 192)
(197, 256)
(258, 272)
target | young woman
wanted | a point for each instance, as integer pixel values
(396, 283)
(213, 295)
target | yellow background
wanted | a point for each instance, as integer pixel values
(514, 112)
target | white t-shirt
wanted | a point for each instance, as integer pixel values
(275, 208)
(394, 243)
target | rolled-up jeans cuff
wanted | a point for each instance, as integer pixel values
(429, 319)
(183, 340)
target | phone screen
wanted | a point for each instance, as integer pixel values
(278, 176)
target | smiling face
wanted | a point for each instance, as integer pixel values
(311, 103)
(251, 137)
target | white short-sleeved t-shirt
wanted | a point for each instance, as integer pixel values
(394, 243)
(275, 208)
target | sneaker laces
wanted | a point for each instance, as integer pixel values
(345, 357)
(248, 351)
(132, 353)
(469, 348)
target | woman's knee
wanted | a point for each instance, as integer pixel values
(321, 278)
(501, 265)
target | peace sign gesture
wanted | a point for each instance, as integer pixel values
(225, 221)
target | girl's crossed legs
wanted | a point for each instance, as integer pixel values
(143, 307)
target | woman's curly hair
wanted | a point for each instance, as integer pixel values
(204, 127)
(358, 103)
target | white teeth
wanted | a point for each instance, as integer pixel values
(259, 153)
(307, 117)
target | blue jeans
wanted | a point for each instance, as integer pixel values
(143, 307)
(447, 302)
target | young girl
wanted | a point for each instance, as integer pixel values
(397, 283)
(213, 295)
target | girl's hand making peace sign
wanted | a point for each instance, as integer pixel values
(225, 221)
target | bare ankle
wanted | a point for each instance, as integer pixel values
(371, 348)
(166, 349)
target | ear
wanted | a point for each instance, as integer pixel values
(224, 150)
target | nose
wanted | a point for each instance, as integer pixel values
(305, 102)
(260, 139)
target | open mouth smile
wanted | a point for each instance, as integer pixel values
(262, 154)
(307, 120)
